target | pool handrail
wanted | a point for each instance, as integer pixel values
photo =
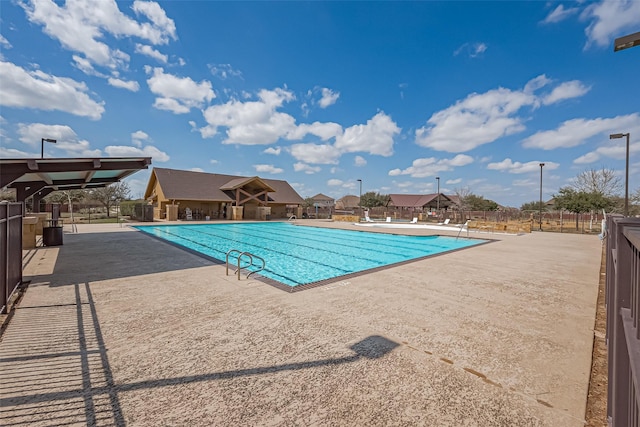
(239, 260)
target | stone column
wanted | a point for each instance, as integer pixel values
(236, 212)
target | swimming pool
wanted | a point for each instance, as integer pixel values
(298, 256)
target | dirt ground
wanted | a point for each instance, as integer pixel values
(596, 414)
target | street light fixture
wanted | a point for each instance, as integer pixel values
(626, 173)
(42, 145)
(360, 198)
(540, 206)
(626, 42)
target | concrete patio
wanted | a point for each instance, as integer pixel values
(117, 328)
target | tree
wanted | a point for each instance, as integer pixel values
(308, 202)
(371, 199)
(479, 203)
(463, 196)
(603, 181)
(67, 196)
(110, 195)
(580, 202)
(533, 206)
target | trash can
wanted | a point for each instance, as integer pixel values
(267, 217)
(52, 233)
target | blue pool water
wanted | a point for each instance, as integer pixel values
(299, 255)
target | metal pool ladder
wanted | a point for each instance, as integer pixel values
(250, 257)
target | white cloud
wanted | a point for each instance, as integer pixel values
(516, 167)
(13, 153)
(151, 52)
(453, 181)
(309, 170)
(4, 42)
(77, 148)
(224, 71)
(483, 118)
(324, 131)
(33, 133)
(138, 137)
(376, 137)
(86, 67)
(560, 14)
(251, 122)
(421, 168)
(315, 153)
(478, 119)
(214, 161)
(566, 90)
(267, 169)
(472, 49)
(335, 182)
(591, 157)
(611, 19)
(131, 85)
(178, 94)
(196, 169)
(128, 151)
(329, 97)
(67, 140)
(81, 24)
(359, 161)
(273, 150)
(260, 122)
(611, 149)
(38, 90)
(527, 182)
(576, 131)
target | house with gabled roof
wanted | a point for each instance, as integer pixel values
(322, 201)
(179, 194)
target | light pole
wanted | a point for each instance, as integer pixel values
(360, 198)
(42, 145)
(626, 171)
(438, 197)
(540, 206)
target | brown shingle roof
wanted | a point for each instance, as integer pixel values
(187, 185)
(417, 200)
(321, 196)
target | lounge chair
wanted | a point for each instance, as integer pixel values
(446, 221)
(388, 219)
(414, 221)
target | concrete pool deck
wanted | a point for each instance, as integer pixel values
(117, 328)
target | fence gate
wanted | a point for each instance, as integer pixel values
(623, 314)
(10, 250)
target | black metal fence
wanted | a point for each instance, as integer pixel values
(623, 315)
(10, 250)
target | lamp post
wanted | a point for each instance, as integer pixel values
(626, 171)
(360, 198)
(540, 206)
(42, 145)
(438, 197)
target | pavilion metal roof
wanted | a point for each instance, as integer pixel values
(32, 175)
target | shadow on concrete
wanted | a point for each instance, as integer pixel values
(56, 370)
(102, 256)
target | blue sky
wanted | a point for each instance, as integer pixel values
(322, 94)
